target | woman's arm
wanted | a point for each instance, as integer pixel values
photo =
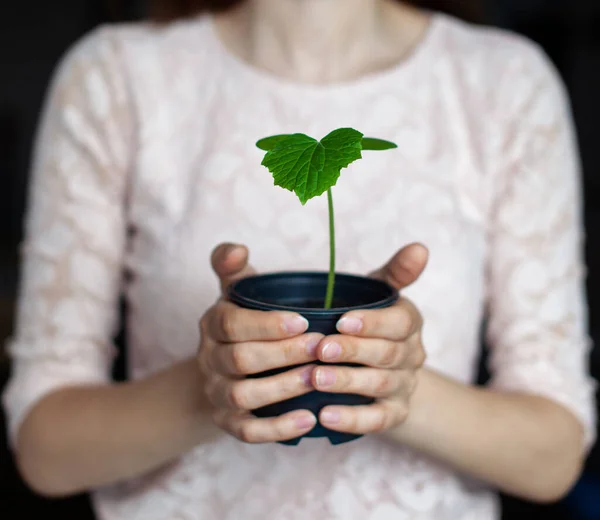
(524, 445)
(84, 437)
(80, 438)
(70, 427)
(527, 433)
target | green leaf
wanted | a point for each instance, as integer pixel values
(308, 167)
(342, 147)
(268, 143)
(371, 143)
(296, 163)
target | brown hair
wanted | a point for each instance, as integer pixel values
(165, 10)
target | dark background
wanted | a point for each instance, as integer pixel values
(33, 35)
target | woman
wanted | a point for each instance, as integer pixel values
(146, 160)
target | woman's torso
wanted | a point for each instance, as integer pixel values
(196, 181)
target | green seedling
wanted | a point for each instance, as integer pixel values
(309, 168)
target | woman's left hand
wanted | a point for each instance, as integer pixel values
(387, 342)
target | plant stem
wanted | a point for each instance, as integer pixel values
(331, 277)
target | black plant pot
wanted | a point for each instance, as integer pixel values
(304, 293)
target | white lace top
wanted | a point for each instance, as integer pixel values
(146, 160)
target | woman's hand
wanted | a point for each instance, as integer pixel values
(388, 343)
(238, 342)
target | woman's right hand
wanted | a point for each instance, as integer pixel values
(237, 342)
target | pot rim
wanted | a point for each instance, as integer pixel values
(252, 303)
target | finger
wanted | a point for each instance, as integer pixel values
(228, 323)
(250, 394)
(405, 266)
(360, 420)
(395, 323)
(238, 359)
(257, 431)
(372, 352)
(230, 263)
(370, 382)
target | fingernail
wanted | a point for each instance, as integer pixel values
(305, 421)
(331, 352)
(350, 325)
(330, 416)
(325, 377)
(295, 324)
(307, 376)
(311, 346)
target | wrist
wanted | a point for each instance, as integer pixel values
(180, 388)
(195, 404)
(417, 413)
(436, 403)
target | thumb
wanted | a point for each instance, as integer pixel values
(230, 263)
(405, 266)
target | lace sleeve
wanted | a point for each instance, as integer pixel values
(538, 312)
(74, 230)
